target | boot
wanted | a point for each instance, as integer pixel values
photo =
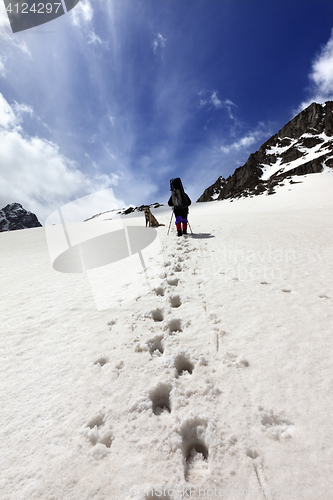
(180, 233)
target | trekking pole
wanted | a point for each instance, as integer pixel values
(190, 226)
(170, 222)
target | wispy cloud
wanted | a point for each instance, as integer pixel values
(248, 140)
(6, 31)
(93, 38)
(9, 42)
(321, 76)
(2, 66)
(210, 99)
(21, 109)
(158, 41)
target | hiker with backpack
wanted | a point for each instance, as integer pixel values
(180, 202)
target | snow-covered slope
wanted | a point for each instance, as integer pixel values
(214, 379)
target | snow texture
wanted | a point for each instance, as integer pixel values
(213, 379)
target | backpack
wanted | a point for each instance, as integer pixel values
(178, 196)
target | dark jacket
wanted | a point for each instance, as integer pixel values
(180, 211)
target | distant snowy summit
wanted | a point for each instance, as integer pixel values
(14, 217)
(303, 146)
(126, 211)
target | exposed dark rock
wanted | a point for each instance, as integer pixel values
(14, 216)
(128, 211)
(213, 191)
(285, 142)
(311, 167)
(285, 147)
(310, 142)
(290, 155)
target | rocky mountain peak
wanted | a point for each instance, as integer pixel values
(302, 146)
(13, 216)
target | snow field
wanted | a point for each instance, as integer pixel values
(216, 375)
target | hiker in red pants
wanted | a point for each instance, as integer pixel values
(180, 201)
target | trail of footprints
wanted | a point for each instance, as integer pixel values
(192, 431)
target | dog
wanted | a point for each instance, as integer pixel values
(150, 219)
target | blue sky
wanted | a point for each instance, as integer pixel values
(126, 94)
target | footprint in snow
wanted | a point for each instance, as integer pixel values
(173, 281)
(195, 451)
(174, 325)
(183, 365)
(159, 291)
(157, 314)
(98, 433)
(155, 346)
(277, 425)
(175, 301)
(101, 361)
(160, 398)
(97, 421)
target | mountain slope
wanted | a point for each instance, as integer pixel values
(303, 146)
(210, 369)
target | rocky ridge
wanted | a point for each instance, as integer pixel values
(13, 216)
(303, 146)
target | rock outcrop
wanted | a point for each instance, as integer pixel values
(14, 216)
(303, 146)
(212, 193)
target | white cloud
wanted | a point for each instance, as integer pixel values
(82, 14)
(246, 141)
(7, 115)
(159, 41)
(33, 171)
(321, 76)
